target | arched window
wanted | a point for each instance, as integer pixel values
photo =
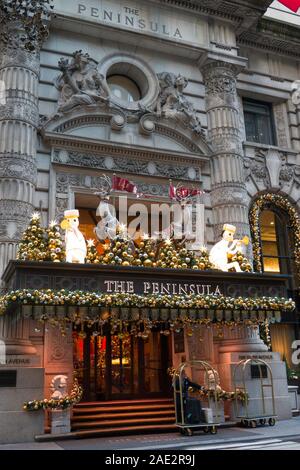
(275, 241)
(275, 229)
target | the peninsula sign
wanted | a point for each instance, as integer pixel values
(138, 16)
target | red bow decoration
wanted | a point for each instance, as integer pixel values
(122, 184)
(182, 193)
(293, 5)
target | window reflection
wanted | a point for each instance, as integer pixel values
(269, 241)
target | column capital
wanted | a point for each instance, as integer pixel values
(215, 64)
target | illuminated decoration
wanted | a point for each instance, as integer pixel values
(56, 404)
(55, 251)
(33, 245)
(172, 254)
(75, 243)
(62, 308)
(92, 255)
(227, 247)
(121, 250)
(265, 201)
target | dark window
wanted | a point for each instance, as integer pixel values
(259, 371)
(8, 378)
(259, 122)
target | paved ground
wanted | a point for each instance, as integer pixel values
(285, 435)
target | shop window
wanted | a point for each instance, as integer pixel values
(259, 123)
(274, 231)
(124, 88)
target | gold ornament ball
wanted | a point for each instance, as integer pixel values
(147, 263)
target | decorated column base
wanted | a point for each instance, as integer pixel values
(226, 368)
(60, 421)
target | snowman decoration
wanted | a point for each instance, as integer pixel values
(227, 246)
(75, 242)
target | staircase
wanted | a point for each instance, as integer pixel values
(123, 417)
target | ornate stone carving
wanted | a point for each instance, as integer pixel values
(80, 83)
(20, 109)
(126, 164)
(26, 19)
(269, 169)
(228, 195)
(172, 104)
(17, 168)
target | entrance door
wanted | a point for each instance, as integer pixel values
(122, 366)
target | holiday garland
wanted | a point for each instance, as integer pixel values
(283, 203)
(220, 395)
(94, 299)
(54, 404)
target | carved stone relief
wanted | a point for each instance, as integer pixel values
(270, 167)
(126, 164)
(82, 84)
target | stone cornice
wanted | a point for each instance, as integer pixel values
(273, 36)
(235, 11)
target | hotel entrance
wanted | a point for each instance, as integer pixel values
(122, 366)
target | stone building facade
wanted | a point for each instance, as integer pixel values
(209, 75)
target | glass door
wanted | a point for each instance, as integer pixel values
(122, 366)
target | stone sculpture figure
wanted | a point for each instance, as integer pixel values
(172, 103)
(59, 387)
(80, 83)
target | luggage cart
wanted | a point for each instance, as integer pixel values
(247, 419)
(181, 400)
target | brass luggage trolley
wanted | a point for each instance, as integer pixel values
(179, 398)
(247, 418)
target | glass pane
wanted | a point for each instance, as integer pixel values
(251, 134)
(152, 356)
(121, 364)
(78, 360)
(271, 265)
(258, 122)
(264, 129)
(124, 88)
(100, 363)
(268, 233)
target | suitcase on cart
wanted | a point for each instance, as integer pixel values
(193, 411)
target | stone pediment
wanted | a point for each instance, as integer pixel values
(93, 124)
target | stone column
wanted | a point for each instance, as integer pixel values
(19, 116)
(14, 332)
(229, 197)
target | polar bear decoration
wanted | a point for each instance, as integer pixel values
(59, 387)
(76, 249)
(227, 246)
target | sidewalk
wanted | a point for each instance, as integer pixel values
(282, 429)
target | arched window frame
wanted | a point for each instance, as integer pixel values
(275, 201)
